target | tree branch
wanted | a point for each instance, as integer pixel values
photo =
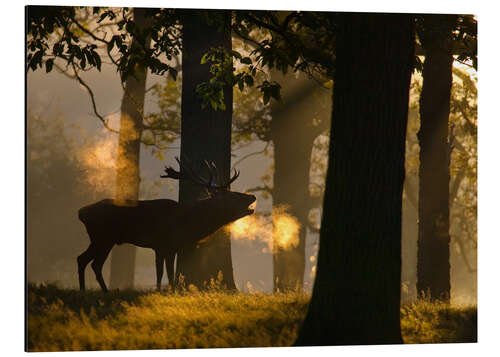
(103, 120)
(260, 189)
(88, 32)
(251, 154)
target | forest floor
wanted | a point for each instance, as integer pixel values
(69, 320)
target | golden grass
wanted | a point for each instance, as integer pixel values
(438, 322)
(68, 320)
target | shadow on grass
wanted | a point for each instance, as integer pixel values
(103, 304)
(462, 322)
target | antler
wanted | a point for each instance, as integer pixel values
(232, 179)
(186, 172)
(172, 173)
(214, 171)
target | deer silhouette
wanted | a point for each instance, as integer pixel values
(163, 225)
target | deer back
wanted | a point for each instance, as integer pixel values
(143, 224)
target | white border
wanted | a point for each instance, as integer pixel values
(12, 149)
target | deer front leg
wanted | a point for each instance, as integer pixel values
(169, 262)
(159, 258)
(101, 255)
(83, 259)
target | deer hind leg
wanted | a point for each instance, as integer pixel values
(169, 262)
(83, 260)
(100, 257)
(159, 258)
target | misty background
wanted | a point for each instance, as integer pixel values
(70, 164)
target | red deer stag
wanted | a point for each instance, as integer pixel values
(163, 225)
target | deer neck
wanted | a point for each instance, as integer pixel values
(210, 215)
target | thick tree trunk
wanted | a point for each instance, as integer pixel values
(127, 172)
(356, 295)
(205, 135)
(433, 266)
(294, 127)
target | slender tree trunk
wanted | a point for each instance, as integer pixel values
(356, 295)
(205, 135)
(127, 172)
(409, 239)
(433, 266)
(294, 127)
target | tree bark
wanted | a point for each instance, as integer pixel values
(356, 295)
(409, 240)
(205, 135)
(127, 167)
(433, 265)
(294, 127)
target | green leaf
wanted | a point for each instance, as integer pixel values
(249, 81)
(236, 54)
(97, 60)
(36, 60)
(57, 49)
(246, 60)
(48, 65)
(275, 91)
(213, 104)
(173, 73)
(89, 57)
(204, 58)
(266, 97)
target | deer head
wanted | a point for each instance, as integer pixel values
(236, 204)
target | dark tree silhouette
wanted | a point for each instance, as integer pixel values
(433, 263)
(205, 135)
(356, 294)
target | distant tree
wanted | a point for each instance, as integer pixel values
(296, 123)
(356, 292)
(129, 146)
(462, 142)
(439, 35)
(300, 42)
(463, 170)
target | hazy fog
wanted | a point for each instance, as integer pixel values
(56, 237)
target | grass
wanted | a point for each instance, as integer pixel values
(68, 320)
(438, 322)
